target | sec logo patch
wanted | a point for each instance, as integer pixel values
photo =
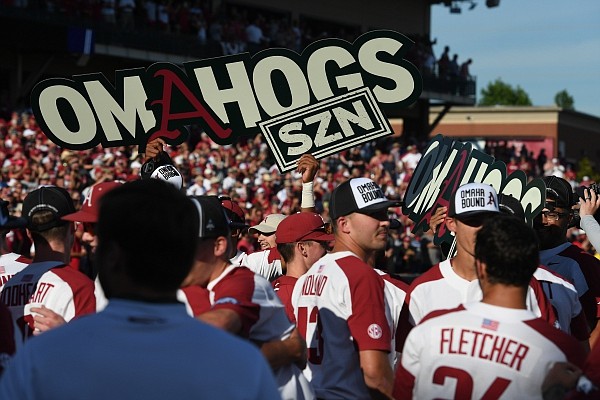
(374, 331)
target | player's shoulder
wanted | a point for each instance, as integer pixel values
(450, 312)
(433, 274)
(565, 342)
(284, 280)
(394, 281)
(70, 275)
(542, 273)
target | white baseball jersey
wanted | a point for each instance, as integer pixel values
(480, 351)
(58, 287)
(239, 259)
(266, 263)
(395, 296)
(263, 318)
(340, 310)
(10, 264)
(565, 301)
(441, 288)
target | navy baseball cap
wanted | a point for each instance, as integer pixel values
(358, 195)
(48, 198)
(213, 220)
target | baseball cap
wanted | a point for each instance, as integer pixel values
(90, 206)
(213, 221)
(161, 167)
(7, 221)
(237, 216)
(361, 195)
(559, 191)
(302, 226)
(47, 198)
(268, 225)
(473, 199)
(510, 205)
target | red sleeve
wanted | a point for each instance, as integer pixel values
(368, 323)
(198, 299)
(403, 329)
(567, 343)
(403, 383)
(547, 311)
(84, 298)
(235, 292)
(591, 368)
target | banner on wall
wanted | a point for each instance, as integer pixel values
(329, 98)
(447, 164)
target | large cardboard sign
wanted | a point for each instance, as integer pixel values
(447, 164)
(327, 99)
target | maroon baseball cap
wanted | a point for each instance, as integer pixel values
(302, 226)
(90, 207)
(236, 215)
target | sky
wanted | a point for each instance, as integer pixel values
(542, 46)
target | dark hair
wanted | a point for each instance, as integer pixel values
(43, 217)
(151, 223)
(286, 250)
(509, 248)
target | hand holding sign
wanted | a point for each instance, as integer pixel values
(308, 166)
(154, 148)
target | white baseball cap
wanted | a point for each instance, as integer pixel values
(268, 225)
(473, 199)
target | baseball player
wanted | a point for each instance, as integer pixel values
(241, 302)
(302, 239)
(48, 281)
(237, 226)
(454, 281)
(267, 262)
(339, 303)
(560, 292)
(560, 256)
(495, 348)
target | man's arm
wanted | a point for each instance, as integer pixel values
(308, 166)
(284, 352)
(223, 318)
(377, 373)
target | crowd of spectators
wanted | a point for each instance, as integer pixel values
(245, 171)
(235, 28)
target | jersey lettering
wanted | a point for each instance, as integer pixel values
(464, 383)
(484, 345)
(313, 285)
(315, 330)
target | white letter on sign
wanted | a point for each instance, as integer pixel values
(287, 137)
(81, 108)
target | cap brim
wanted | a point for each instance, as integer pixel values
(262, 228)
(475, 214)
(80, 216)
(383, 205)
(319, 236)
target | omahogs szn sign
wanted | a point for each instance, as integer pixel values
(330, 97)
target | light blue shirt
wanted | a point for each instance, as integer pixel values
(137, 350)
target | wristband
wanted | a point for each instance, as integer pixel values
(308, 198)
